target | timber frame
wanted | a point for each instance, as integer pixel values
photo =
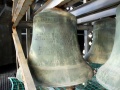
(20, 7)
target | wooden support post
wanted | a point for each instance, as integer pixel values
(17, 64)
(27, 77)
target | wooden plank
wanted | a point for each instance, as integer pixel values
(64, 2)
(20, 10)
(14, 5)
(49, 4)
(27, 78)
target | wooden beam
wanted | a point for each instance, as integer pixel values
(72, 3)
(27, 78)
(20, 10)
(64, 2)
(49, 4)
(14, 5)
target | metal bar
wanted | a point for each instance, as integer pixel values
(96, 16)
(27, 78)
(29, 24)
(49, 4)
(14, 5)
(64, 2)
(25, 24)
(28, 38)
(86, 39)
(20, 10)
(94, 5)
(84, 27)
(72, 3)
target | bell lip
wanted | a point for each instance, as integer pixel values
(96, 62)
(79, 81)
(62, 85)
(105, 85)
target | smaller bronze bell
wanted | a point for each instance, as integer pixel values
(109, 74)
(103, 40)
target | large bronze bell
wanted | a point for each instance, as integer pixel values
(109, 74)
(103, 39)
(54, 58)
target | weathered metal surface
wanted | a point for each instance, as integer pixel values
(109, 74)
(103, 40)
(20, 10)
(94, 5)
(55, 59)
(5, 15)
(6, 45)
(96, 16)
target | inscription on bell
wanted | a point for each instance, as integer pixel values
(51, 19)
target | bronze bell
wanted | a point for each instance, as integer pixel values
(103, 39)
(109, 74)
(54, 58)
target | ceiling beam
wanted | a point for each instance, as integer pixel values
(93, 6)
(96, 16)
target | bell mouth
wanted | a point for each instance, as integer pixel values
(61, 77)
(105, 75)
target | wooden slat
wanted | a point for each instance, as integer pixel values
(64, 2)
(49, 4)
(14, 5)
(27, 78)
(20, 10)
